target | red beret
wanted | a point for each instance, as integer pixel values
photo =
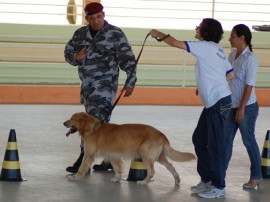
(93, 8)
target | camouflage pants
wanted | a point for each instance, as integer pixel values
(97, 98)
(102, 111)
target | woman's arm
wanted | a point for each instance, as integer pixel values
(171, 41)
(239, 116)
(230, 76)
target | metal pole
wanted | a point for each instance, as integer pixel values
(213, 9)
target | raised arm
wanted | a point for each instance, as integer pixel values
(171, 41)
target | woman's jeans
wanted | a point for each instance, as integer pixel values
(247, 130)
(209, 142)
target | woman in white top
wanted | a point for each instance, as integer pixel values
(244, 102)
(209, 136)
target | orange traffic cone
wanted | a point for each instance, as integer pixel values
(11, 165)
(138, 170)
(265, 160)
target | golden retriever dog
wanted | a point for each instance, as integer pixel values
(115, 142)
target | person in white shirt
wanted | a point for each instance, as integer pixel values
(244, 102)
(211, 69)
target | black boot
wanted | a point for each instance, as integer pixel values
(104, 166)
(74, 169)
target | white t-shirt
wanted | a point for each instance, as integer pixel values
(211, 68)
(245, 68)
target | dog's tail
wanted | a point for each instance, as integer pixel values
(177, 155)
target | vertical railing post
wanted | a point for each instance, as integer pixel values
(213, 9)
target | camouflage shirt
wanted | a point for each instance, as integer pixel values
(108, 51)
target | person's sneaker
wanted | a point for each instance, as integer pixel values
(213, 192)
(104, 166)
(74, 169)
(201, 187)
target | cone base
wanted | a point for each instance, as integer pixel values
(11, 175)
(266, 172)
(13, 180)
(136, 175)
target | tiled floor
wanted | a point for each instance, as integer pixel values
(45, 152)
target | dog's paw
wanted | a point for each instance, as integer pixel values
(70, 177)
(115, 179)
(74, 177)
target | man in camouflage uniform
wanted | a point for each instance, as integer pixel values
(98, 50)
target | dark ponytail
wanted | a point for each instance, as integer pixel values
(243, 30)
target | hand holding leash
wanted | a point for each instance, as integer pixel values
(159, 36)
(128, 91)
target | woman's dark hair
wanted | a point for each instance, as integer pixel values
(243, 30)
(211, 30)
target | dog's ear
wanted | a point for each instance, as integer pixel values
(83, 115)
(88, 122)
(82, 119)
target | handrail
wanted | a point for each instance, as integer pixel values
(32, 63)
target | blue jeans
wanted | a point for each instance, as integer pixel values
(247, 130)
(210, 145)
